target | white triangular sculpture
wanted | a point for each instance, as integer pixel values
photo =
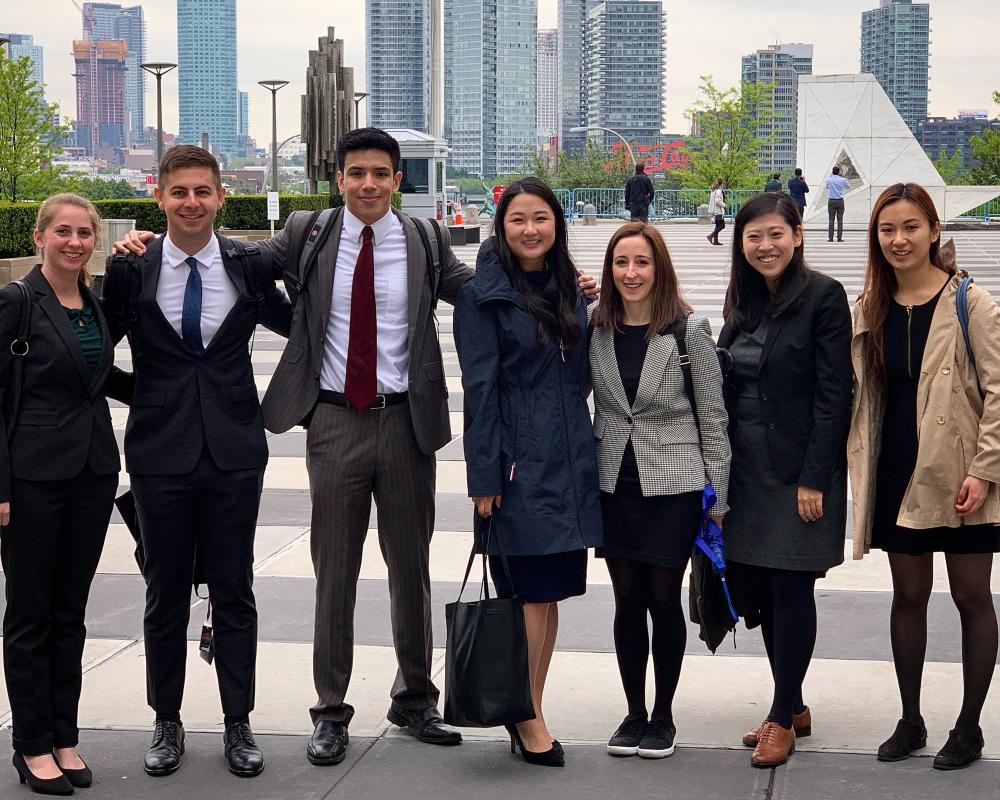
(848, 120)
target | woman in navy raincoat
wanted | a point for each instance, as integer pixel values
(521, 335)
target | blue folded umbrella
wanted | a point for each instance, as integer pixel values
(709, 540)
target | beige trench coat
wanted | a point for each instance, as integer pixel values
(958, 431)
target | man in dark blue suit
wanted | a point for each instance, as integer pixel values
(195, 447)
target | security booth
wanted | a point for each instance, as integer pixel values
(423, 167)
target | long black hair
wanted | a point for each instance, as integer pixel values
(555, 307)
(747, 300)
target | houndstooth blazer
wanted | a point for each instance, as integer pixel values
(660, 423)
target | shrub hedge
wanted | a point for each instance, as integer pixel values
(239, 212)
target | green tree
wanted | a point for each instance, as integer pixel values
(29, 138)
(986, 150)
(950, 168)
(728, 121)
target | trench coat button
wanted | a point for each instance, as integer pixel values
(940, 420)
(770, 426)
(946, 370)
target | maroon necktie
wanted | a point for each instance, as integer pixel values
(362, 353)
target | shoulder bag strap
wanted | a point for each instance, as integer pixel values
(19, 349)
(679, 329)
(962, 309)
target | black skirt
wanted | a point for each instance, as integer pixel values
(541, 579)
(656, 530)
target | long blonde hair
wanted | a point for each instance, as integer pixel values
(47, 212)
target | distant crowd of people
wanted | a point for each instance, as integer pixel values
(905, 399)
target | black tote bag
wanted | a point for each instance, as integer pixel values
(486, 657)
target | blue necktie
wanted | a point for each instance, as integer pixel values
(191, 315)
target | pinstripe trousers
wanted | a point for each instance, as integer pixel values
(352, 457)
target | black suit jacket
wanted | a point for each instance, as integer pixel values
(184, 402)
(64, 423)
(804, 379)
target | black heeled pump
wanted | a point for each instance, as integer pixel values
(553, 757)
(79, 778)
(53, 786)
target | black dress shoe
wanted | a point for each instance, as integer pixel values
(164, 755)
(242, 754)
(908, 737)
(328, 744)
(51, 786)
(961, 749)
(425, 724)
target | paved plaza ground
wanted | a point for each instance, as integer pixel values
(850, 687)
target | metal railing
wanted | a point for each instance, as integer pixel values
(667, 203)
(984, 212)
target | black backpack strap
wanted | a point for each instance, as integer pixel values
(679, 330)
(133, 274)
(19, 349)
(435, 260)
(320, 224)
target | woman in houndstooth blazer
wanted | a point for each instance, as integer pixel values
(652, 467)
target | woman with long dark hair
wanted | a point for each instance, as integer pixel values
(652, 465)
(924, 453)
(788, 329)
(520, 332)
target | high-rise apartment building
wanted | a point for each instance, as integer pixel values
(112, 21)
(547, 115)
(490, 50)
(397, 63)
(945, 135)
(624, 54)
(895, 48)
(243, 123)
(206, 72)
(22, 45)
(780, 66)
(102, 119)
(573, 114)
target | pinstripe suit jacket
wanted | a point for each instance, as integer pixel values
(660, 423)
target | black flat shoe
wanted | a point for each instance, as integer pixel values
(79, 778)
(164, 755)
(53, 786)
(961, 749)
(553, 757)
(328, 744)
(425, 724)
(242, 754)
(908, 737)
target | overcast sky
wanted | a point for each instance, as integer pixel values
(703, 37)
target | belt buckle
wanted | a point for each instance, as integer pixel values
(379, 403)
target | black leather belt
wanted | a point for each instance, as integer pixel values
(381, 400)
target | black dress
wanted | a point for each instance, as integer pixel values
(659, 529)
(906, 330)
(542, 578)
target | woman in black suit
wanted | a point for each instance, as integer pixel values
(58, 474)
(789, 401)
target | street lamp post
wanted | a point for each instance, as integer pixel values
(358, 97)
(273, 86)
(585, 128)
(158, 69)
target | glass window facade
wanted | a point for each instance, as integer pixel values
(397, 39)
(112, 21)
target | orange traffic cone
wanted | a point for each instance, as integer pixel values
(458, 211)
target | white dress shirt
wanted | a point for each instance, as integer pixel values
(391, 310)
(218, 295)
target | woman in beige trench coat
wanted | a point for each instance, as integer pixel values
(924, 454)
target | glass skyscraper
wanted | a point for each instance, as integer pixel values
(398, 68)
(206, 72)
(779, 65)
(895, 48)
(490, 53)
(23, 45)
(572, 20)
(624, 56)
(548, 84)
(103, 21)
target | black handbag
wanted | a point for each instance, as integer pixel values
(486, 657)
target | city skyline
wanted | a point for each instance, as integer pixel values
(962, 70)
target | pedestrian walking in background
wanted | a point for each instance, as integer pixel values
(788, 329)
(653, 466)
(639, 193)
(924, 453)
(59, 468)
(774, 184)
(717, 208)
(836, 187)
(798, 189)
(520, 333)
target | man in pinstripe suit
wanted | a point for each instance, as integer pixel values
(363, 370)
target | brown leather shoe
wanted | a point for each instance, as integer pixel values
(775, 744)
(801, 723)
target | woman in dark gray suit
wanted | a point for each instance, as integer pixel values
(652, 466)
(789, 399)
(58, 474)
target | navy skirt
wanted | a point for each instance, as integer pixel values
(541, 579)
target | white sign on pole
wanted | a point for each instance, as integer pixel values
(272, 205)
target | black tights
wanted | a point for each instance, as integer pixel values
(969, 579)
(642, 589)
(788, 624)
